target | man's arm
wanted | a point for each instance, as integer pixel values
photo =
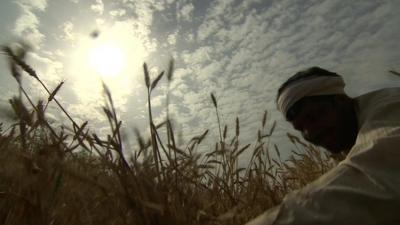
(363, 189)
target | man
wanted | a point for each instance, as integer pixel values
(364, 188)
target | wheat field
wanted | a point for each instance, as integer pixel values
(50, 175)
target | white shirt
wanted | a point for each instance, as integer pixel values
(362, 189)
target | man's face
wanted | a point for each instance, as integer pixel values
(330, 124)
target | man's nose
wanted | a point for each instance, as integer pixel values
(306, 133)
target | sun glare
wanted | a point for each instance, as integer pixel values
(106, 55)
(114, 56)
(108, 60)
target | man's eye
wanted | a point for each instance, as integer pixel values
(316, 114)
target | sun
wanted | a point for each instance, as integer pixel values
(107, 59)
(114, 56)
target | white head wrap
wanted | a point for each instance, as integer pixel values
(313, 86)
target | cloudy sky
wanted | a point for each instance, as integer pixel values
(240, 50)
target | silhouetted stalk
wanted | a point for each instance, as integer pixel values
(214, 100)
(216, 111)
(169, 125)
(59, 105)
(37, 111)
(32, 73)
(154, 145)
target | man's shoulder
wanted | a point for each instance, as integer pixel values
(392, 92)
(381, 97)
(380, 105)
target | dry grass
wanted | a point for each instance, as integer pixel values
(54, 176)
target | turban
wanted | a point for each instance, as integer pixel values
(310, 86)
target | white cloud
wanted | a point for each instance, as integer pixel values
(214, 69)
(118, 12)
(189, 38)
(200, 56)
(219, 8)
(26, 21)
(47, 68)
(206, 29)
(27, 26)
(100, 22)
(67, 28)
(87, 112)
(98, 7)
(172, 38)
(186, 11)
(33, 4)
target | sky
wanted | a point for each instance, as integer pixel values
(239, 50)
